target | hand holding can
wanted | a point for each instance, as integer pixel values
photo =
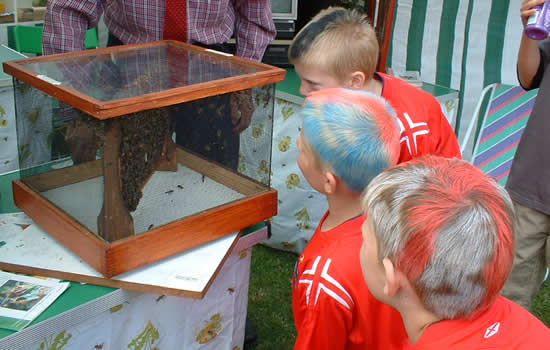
(538, 24)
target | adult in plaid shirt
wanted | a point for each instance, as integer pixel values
(135, 21)
(205, 23)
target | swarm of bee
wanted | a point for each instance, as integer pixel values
(84, 136)
(143, 136)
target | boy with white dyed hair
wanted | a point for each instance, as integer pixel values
(338, 48)
(348, 137)
(438, 246)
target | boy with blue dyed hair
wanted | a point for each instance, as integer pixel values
(348, 138)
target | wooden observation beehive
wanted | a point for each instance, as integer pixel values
(130, 154)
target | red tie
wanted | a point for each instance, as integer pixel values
(175, 20)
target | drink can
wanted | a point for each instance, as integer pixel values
(538, 24)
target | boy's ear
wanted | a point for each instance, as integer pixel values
(357, 80)
(392, 283)
(330, 182)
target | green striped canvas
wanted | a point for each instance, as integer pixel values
(462, 44)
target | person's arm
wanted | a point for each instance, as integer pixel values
(66, 23)
(529, 56)
(254, 27)
(254, 30)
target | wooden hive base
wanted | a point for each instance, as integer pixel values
(174, 231)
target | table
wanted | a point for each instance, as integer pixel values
(447, 97)
(151, 304)
(91, 316)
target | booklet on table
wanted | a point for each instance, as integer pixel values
(23, 298)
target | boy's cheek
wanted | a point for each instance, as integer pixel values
(362, 257)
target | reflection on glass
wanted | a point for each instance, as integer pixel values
(127, 175)
(121, 74)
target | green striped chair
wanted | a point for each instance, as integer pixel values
(501, 115)
(462, 44)
(500, 129)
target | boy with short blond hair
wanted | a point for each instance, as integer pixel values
(348, 137)
(339, 48)
(438, 246)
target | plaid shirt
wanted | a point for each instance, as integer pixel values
(135, 21)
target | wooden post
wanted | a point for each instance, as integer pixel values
(168, 160)
(114, 221)
(384, 28)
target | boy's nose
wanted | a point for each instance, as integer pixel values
(304, 90)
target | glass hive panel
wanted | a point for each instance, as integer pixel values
(143, 168)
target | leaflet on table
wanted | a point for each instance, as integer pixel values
(23, 298)
(411, 77)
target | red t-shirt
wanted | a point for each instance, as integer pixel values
(333, 308)
(503, 326)
(424, 128)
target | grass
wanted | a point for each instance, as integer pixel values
(270, 299)
(541, 306)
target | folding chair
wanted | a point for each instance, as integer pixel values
(28, 39)
(91, 40)
(500, 115)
